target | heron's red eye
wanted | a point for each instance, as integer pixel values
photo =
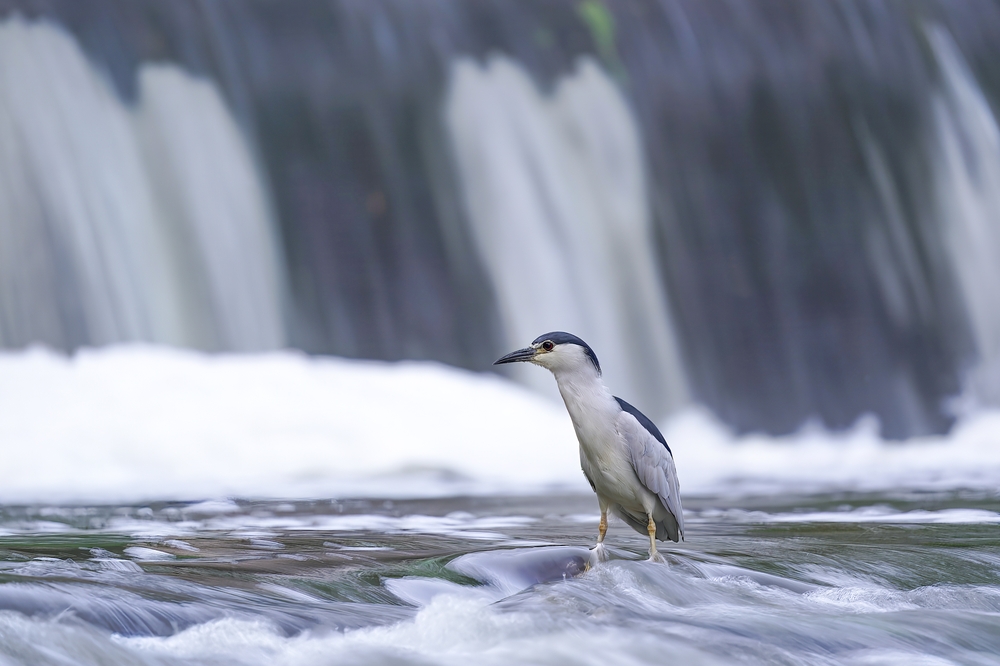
(548, 346)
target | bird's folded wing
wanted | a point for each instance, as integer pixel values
(653, 464)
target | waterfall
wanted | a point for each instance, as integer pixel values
(555, 190)
(780, 214)
(126, 223)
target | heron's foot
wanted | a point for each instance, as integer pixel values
(656, 557)
(598, 554)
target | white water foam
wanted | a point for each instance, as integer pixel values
(668, 611)
(135, 423)
(451, 629)
(866, 514)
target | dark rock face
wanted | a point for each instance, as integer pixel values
(789, 161)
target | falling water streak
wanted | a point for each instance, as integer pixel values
(967, 184)
(74, 200)
(210, 196)
(555, 193)
(121, 224)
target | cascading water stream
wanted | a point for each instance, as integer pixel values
(966, 139)
(555, 189)
(123, 224)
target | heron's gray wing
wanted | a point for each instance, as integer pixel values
(653, 464)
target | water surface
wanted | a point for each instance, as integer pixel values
(868, 579)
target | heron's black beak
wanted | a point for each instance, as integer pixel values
(525, 354)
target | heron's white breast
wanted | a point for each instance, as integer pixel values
(603, 455)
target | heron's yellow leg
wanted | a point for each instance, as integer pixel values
(651, 528)
(598, 554)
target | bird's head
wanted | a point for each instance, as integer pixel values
(556, 351)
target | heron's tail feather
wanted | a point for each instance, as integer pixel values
(667, 528)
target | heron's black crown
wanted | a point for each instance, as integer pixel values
(563, 338)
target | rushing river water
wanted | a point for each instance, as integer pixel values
(907, 578)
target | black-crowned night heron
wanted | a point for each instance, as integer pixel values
(623, 455)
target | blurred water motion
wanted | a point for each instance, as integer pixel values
(498, 581)
(790, 207)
